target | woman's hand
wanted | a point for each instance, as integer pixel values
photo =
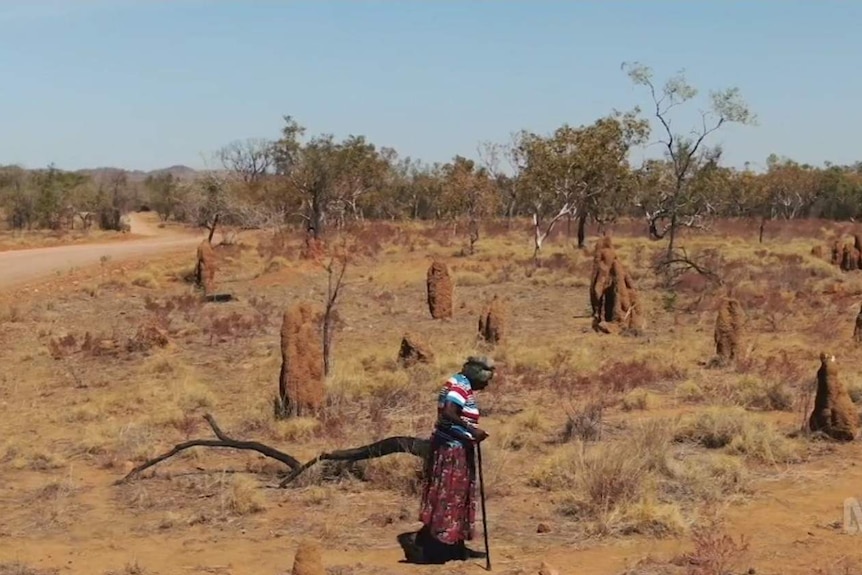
(479, 434)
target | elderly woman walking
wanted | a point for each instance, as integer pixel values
(448, 507)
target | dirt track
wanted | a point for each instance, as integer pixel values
(20, 267)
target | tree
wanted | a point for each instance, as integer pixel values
(55, 196)
(165, 194)
(491, 155)
(678, 202)
(546, 178)
(17, 197)
(251, 159)
(468, 190)
(786, 191)
(602, 166)
(580, 173)
(325, 177)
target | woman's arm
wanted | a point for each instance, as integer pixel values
(452, 414)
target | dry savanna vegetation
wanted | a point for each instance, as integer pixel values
(678, 347)
(626, 442)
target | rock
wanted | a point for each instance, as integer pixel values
(543, 528)
(414, 350)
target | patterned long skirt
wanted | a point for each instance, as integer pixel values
(448, 508)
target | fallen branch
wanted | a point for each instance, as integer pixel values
(222, 441)
(413, 445)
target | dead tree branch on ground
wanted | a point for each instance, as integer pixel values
(222, 441)
(400, 444)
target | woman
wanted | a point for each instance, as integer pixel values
(448, 507)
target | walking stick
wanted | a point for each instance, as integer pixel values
(484, 515)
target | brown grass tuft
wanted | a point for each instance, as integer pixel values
(148, 336)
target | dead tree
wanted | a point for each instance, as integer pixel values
(416, 446)
(540, 236)
(333, 288)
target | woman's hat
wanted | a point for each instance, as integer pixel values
(481, 361)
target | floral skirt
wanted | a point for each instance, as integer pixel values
(448, 508)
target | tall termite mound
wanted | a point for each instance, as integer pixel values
(728, 329)
(857, 329)
(439, 286)
(308, 559)
(847, 256)
(301, 382)
(493, 320)
(834, 413)
(206, 267)
(613, 296)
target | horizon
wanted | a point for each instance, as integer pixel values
(140, 85)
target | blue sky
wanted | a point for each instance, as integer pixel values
(143, 84)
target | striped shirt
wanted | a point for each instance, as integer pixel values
(457, 390)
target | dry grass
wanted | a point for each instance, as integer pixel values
(607, 435)
(21, 240)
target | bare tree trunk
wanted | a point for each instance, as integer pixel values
(474, 234)
(213, 228)
(540, 236)
(582, 230)
(331, 297)
(674, 223)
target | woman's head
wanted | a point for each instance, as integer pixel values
(479, 370)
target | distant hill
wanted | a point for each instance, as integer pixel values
(134, 176)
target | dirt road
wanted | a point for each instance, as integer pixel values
(20, 267)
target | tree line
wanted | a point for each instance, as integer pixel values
(581, 174)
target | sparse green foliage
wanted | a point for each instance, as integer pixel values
(677, 191)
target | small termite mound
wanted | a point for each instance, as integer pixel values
(836, 252)
(728, 330)
(440, 291)
(493, 321)
(834, 413)
(414, 350)
(613, 297)
(850, 258)
(205, 268)
(308, 559)
(301, 383)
